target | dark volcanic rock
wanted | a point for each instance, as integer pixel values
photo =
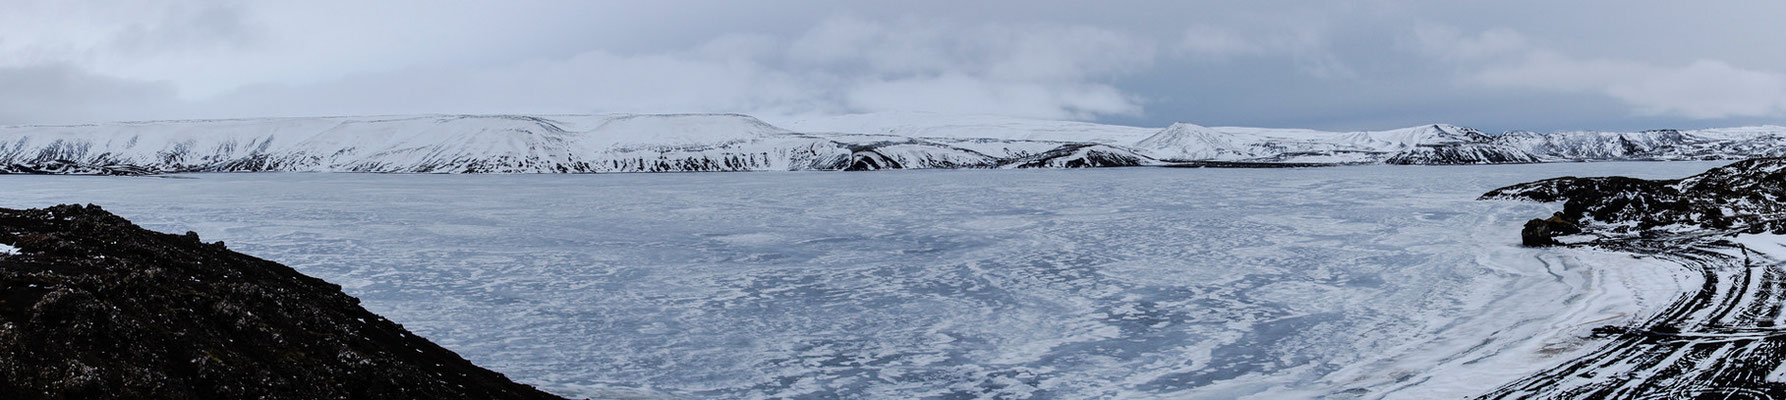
(1543, 232)
(1081, 155)
(94, 307)
(1746, 195)
(870, 160)
(1463, 153)
(65, 167)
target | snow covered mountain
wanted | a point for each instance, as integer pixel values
(502, 143)
(1429, 144)
(1666, 144)
(487, 144)
(1450, 144)
(733, 142)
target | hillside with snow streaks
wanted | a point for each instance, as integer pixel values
(1664, 144)
(481, 144)
(945, 126)
(504, 144)
(1450, 144)
(1429, 144)
(733, 142)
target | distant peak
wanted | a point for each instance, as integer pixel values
(1186, 126)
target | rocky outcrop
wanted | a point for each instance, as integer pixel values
(1462, 154)
(1081, 155)
(94, 307)
(1722, 340)
(1543, 232)
(870, 160)
(65, 167)
(1743, 196)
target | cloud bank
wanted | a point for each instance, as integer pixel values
(1519, 64)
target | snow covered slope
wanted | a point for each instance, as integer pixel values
(1450, 144)
(437, 143)
(1666, 144)
(496, 144)
(929, 125)
(1416, 145)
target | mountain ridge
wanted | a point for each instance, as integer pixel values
(602, 143)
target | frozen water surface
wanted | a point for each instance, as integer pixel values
(1376, 281)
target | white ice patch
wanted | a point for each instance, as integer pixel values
(6, 249)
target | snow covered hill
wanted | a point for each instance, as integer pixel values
(485, 144)
(1666, 144)
(733, 142)
(1450, 144)
(1428, 144)
(499, 143)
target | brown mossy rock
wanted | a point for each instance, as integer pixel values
(94, 307)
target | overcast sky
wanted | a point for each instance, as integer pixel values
(1495, 65)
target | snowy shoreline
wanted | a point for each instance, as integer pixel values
(1723, 338)
(1606, 288)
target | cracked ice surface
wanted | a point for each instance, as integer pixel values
(1131, 282)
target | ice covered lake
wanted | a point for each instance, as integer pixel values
(1378, 281)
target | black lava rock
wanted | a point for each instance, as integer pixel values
(94, 307)
(1543, 232)
(1748, 195)
(65, 167)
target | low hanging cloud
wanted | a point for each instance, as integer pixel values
(59, 93)
(843, 65)
(839, 65)
(1700, 89)
(1305, 45)
(956, 93)
(1450, 44)
(595, 81)
(1331, 65)
(1024, 70)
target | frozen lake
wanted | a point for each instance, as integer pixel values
(1378, 281)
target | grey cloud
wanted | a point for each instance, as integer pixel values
(1203, 41)
(183, 27)
(1698, 89)
(1449, 43)
(1701, 89)
(844, 65)
(1334, 65)
(66, 94)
